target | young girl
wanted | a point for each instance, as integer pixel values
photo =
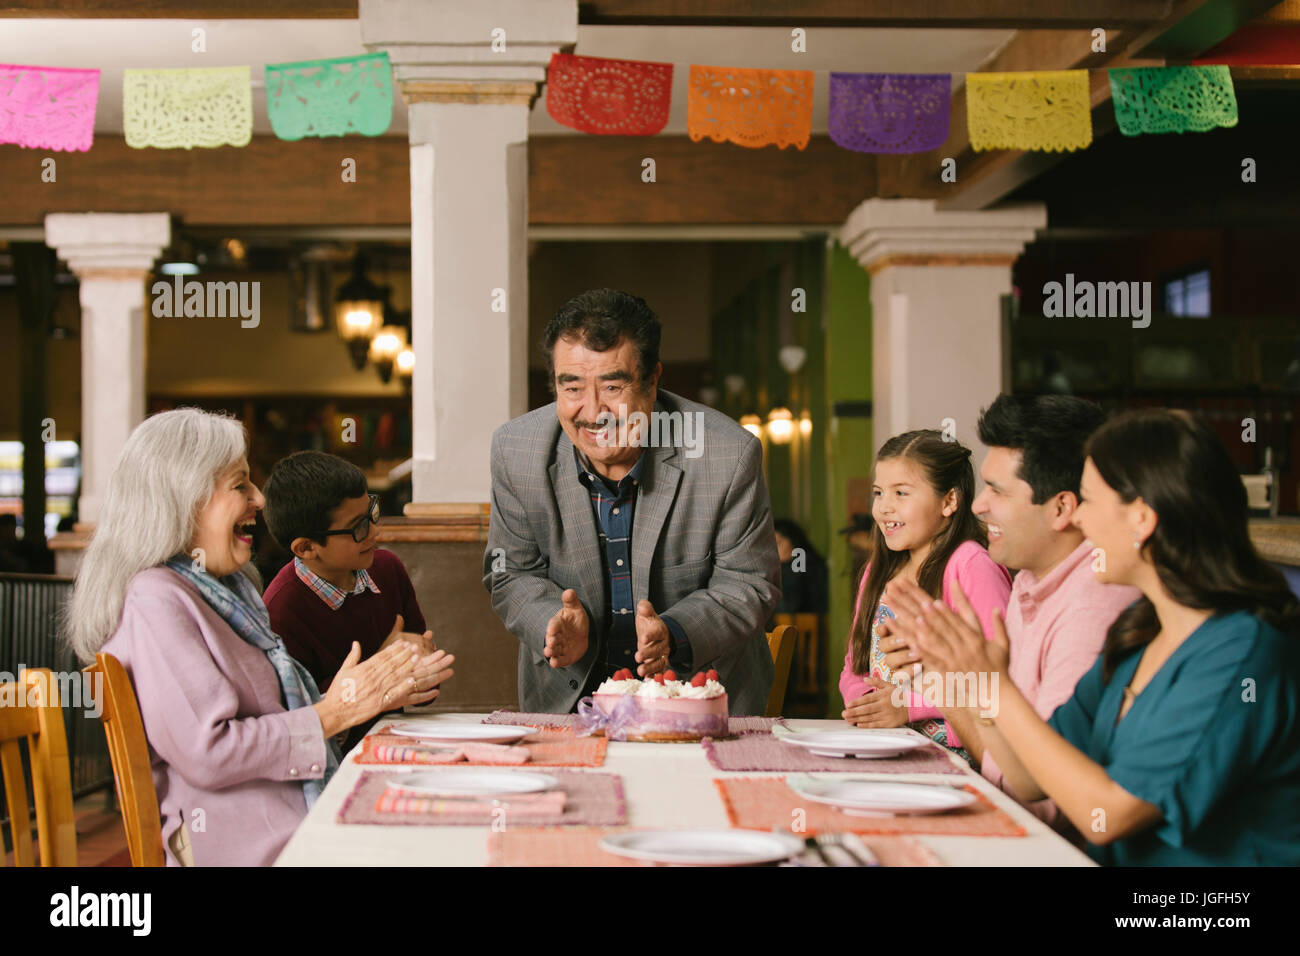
(925, 532)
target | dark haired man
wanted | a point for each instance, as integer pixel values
(1058, 613)
(630, 527)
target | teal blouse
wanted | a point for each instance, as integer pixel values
(1213, 741)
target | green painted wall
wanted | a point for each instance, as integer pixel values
(831, 320)
(849, 442)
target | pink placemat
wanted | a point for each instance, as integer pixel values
(547, 846)
(752, 725)
(737, 725)
(546, 748)
(765, 753)
(761, 803)
(536, 809)
(591, 799)
(528, 719)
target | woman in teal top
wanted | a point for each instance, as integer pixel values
(1181, 746)
(1211, 742)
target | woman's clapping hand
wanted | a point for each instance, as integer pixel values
(390, 679)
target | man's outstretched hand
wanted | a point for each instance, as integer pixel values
(566, 633)
(652, 640)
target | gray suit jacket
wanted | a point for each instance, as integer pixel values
(703, 552)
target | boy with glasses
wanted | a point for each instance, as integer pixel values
(340, 587)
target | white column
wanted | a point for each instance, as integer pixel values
(112, 254)
(937, 279)
(469, 74)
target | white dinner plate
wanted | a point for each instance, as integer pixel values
(704, 847)
(448, 732)
(880, 796)
(853, 743)
(472, 783)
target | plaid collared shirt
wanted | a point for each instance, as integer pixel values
(329, 593)
(614, 508)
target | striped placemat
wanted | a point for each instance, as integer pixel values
(546, 748)
(591, 799)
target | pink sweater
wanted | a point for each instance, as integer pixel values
(986, 584)
(228, 759)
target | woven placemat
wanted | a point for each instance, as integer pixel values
(530, 719)
(766, 754)
(546, 748)
(591, 799)
(548, 846)
(761, 803)
(736, 725)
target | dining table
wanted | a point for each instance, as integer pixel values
(665, 786)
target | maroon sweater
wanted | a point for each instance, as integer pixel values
(320, 637)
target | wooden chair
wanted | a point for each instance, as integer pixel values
(805, 671)
(129, 751)
(781, 643)
(36, 713)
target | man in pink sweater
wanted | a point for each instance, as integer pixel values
(1058, 613)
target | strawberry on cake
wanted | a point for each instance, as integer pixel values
(659, 708)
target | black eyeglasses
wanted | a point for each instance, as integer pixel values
(361, 530)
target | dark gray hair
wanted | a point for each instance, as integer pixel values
(600, 319)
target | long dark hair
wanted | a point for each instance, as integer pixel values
(947, 467)
(1201, 547)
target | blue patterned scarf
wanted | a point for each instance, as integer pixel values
(235, 598)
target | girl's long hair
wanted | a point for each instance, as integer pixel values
(164, 477)
(947, 466)
(1201, 545)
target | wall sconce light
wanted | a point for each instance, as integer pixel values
(780, 425)
(752, 424)
(358, 310)
(805, 424)
(384, 349)
(406, 362)
(792, 358)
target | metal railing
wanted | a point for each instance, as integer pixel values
(30, 607)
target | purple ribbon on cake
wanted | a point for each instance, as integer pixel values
(615, 723)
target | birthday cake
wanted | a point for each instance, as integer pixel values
(660, 708)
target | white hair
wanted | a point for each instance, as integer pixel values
(163, 479)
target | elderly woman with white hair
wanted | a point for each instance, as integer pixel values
(241, 738)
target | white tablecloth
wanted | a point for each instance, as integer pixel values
(666, 785)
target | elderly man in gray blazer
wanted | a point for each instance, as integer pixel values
(630, 527)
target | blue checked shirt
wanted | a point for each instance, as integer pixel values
(614, 506)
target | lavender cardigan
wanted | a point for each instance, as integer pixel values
(228, 759)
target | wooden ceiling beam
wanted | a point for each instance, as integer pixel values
(1197, 26)
(573, 180)
(181, 9)
(984, 177)
(988, 14)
